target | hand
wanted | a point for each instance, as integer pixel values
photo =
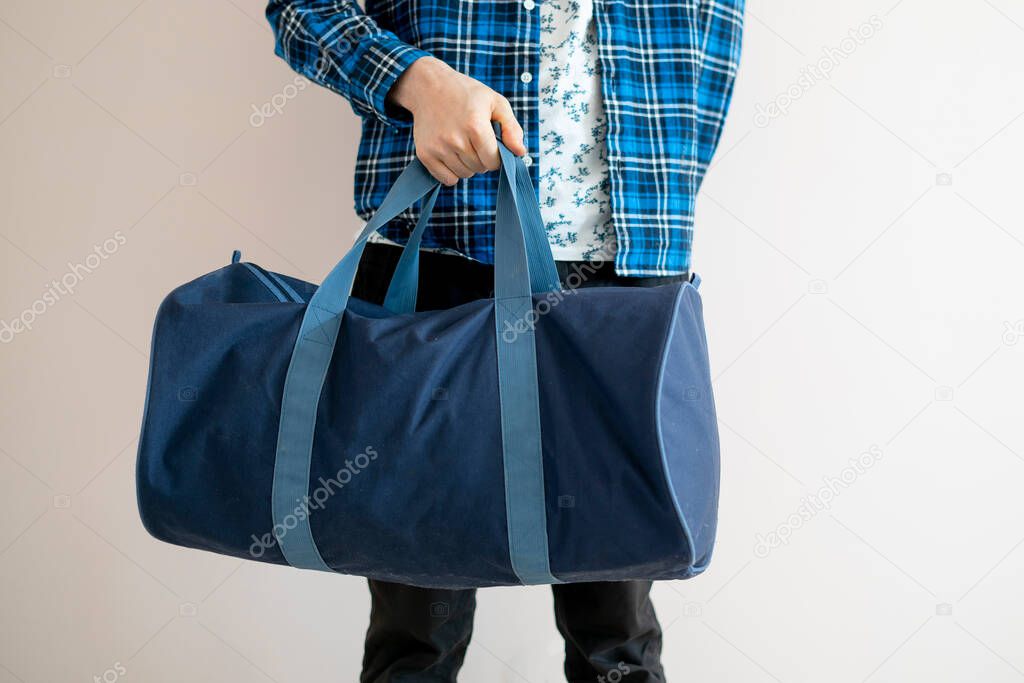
(452, 115)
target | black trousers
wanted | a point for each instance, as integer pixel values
(420, 635)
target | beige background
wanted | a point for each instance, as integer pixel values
(862, 259)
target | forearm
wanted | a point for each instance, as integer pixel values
(335, 44)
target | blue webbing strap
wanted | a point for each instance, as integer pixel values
(517, 380)
(314, 347)
(401, 296)
(519, 394)
(543, 274)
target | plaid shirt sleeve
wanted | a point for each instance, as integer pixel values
(334, 44)
(722, 25)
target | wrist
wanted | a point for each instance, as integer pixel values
(420, 77)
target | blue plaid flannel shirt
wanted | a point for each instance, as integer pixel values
(668, 68)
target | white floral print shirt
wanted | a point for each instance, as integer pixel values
(573, 164)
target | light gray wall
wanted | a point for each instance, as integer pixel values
(862, 260)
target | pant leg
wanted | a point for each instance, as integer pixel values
(445, 280)
(419, 635)
(580, 274)
(611, 632)
(416, 635)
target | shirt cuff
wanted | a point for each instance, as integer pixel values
(374, 66)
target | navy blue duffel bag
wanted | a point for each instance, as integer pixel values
(542, 436)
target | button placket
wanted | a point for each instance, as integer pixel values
(526, 77)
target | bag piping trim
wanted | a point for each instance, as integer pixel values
(670, 333)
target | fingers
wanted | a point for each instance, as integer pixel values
(453, 157)
(454, 146)
(511, 131)
(485, 145)
(439, 170)
(470, 159)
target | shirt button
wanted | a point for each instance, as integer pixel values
(526, 77)
(529, 4)
(527, 161)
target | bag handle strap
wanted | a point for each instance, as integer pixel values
(402, 292)
(405, 281)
